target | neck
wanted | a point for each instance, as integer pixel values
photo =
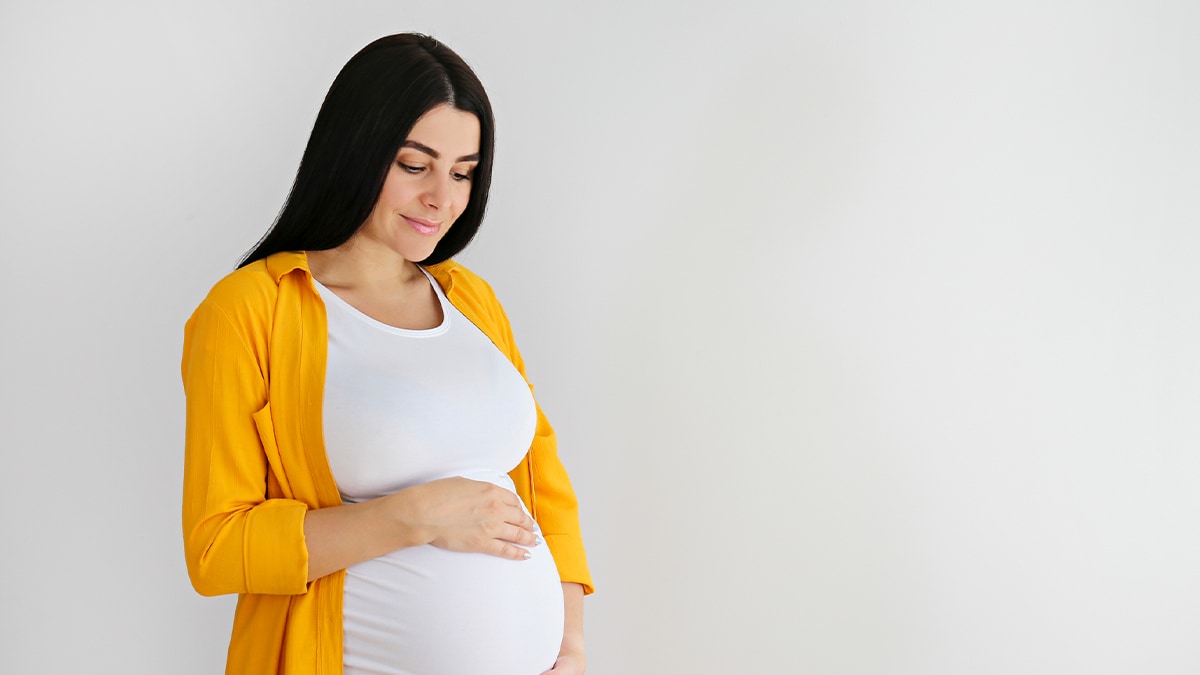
(356, 266)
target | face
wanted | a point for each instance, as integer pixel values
(427, 186)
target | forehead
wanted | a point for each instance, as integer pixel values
(448, 131)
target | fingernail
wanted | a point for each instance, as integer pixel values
(537, 541)
(527, 555)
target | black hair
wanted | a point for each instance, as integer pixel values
(368, 113)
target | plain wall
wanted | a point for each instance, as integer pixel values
(870, 329)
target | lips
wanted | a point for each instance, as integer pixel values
(422, 226)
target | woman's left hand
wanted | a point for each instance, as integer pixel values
(567, 664)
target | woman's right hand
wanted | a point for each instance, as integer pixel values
(460, 514)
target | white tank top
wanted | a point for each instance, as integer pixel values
(405, 407)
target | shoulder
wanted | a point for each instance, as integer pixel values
(243, 285)
(241, 316)
(475, 298)
(249, 296)
(247, 291)
(462, 286)
(451, 274)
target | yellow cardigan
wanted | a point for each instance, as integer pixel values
(254, 375)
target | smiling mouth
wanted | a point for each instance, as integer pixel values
(425, 227)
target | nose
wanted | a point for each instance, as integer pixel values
(437, 192)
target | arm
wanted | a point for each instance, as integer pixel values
(453, 513)
(571, 659)
(237, 540)
(542, 481)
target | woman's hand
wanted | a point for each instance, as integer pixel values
(459, 514)
(453, 513)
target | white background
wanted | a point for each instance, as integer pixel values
(871, 330)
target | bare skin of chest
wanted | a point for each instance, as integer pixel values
(414, 307)
(392, 291)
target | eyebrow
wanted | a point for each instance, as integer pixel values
(435, 154)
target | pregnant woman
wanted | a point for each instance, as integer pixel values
(365, 463)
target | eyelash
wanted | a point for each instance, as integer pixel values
(408, 168)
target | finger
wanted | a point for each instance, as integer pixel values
(522, 520)
(519, 535)
(509, 551)
(515, 514)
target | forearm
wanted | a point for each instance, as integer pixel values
(573, 621)
(341, 536)
(458, 514)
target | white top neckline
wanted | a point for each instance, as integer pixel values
(331, 297)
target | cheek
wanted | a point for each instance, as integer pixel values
(396, 195)
(462, 199)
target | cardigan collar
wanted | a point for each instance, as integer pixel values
(279, 264)
(284, 262)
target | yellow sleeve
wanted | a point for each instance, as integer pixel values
(236, 540)
(555, 507)
(542, 480)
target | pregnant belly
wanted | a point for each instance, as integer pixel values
(426, 610)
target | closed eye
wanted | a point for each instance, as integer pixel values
(410, 168)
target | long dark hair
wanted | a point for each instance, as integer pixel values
(371, 107)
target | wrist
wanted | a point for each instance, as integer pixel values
(400, 514)
(572, 645)
(571, 662)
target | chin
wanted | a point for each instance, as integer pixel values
(415, 254)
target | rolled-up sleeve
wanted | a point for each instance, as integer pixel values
(556, 507)
(236, 539)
